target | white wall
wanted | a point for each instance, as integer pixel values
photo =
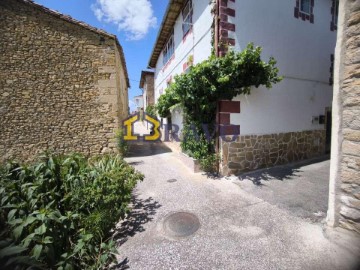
(197, 43)
(302, 50)
(177, 119)
(139, 101)
(288, 106)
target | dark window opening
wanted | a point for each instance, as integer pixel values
(187, 17)
(168, 49)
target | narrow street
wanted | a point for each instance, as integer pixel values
(222, 223)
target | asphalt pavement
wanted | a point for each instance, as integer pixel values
(182, 220)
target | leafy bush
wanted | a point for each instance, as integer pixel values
(166, 101)
(58, 213)
(194, 143)
(209, 163)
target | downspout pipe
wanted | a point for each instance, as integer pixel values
(216, 44)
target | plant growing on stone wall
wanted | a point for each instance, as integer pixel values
(218, 78)
(122, 145)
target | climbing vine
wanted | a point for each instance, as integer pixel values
(218, 78)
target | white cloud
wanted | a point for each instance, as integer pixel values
(134, 17)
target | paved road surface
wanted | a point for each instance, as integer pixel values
(240, 227)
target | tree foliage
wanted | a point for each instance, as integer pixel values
(151, 110)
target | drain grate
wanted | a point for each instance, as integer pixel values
(181, 224)
(172, 180)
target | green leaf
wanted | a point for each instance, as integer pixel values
(37, 251)
(41, 229)
(15, 222)
(12, 214)
(28, 239)
(11, 250)
(47, 240)
(68, 267)
(18, 231)
(29, 220)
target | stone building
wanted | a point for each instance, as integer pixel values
(63, 83)
(147, 84)
(344, 199)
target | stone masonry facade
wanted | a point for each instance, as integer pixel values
(63, 84)
(253, 152)
(350, 126)
(147, 84)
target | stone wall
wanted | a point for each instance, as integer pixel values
(62, 86)
(150, 89)
(344, 207)
(147, 84)
(261, 151)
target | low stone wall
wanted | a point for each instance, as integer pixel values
(252, 152)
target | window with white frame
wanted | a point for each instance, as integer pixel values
(168, 49)
(305, 6)
(187, 17)
(304, 10)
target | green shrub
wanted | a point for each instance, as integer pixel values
(122, 145)
(58, 213)
(151, 110)
(210, 163)
(166, 101)
(195, 143)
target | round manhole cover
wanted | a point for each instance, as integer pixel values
(181, 224)
(172, 180)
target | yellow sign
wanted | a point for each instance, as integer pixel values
(128, 125)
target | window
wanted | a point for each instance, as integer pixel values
(168, 49)
(187, 17)
(305, 6)
(335, 14)
(331, 79)
(304, 10)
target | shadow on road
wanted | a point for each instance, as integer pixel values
(142, 212)
(142, 149)
(284, 172)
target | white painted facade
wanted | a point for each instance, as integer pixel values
(302, 50)
(177, 119)
(196, 43)
(139, 102)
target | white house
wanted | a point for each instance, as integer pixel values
(277, 126)
(139, 102)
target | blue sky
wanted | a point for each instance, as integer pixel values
(134, 22)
